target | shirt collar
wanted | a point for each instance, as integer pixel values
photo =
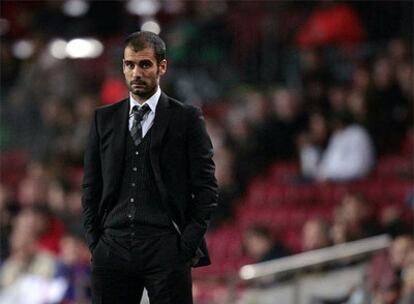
(151, 102)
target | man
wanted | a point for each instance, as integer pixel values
(149, 187)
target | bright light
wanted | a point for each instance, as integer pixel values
(143, 7)
(247, 272)
(58, 48)
(75, 8)
(23, 49)
(4, 26)
(151, 26)
(84, 48)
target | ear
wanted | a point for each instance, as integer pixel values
(123, 66)
(162, 67)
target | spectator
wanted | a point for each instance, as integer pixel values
(312, 142)
(25, 259)
(350, 153)
(387, 107)
(384, 270)
(275, 137)
(354, 213)
(73, 266)
(47, 229)
(261, 246)
(407, 289)
(331, 23)
(315, 234)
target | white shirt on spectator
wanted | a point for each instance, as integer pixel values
(349, 155)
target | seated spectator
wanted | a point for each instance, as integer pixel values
(392, 222)
(350, 152)
(73, 266)
(407, 276)
(274, 139)
(25, 259)
(47, 229)
(353, 220)
(384, 270)
(357, 218)
(261, 245)
(331, 23)
(312, 142)
(315, 234)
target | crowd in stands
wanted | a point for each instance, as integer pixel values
(275, 93)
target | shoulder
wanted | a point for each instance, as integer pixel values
(108, 111)
(184, 108)
(112, 107)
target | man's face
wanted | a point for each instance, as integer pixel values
(142, 72)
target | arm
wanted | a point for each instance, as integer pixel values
(203, 184)
(92, 187)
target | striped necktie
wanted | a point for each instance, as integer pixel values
(136, 130)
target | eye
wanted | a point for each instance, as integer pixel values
(146, 64)
(129, 65)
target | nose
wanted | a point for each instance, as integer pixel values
(136, 72)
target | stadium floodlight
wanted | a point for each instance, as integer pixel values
(84, 48)
(57, 48)
(151, 26)
(23, 49)
(143, 7)
(75, 8)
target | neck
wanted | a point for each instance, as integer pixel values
(139, 99)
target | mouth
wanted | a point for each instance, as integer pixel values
(138, 83)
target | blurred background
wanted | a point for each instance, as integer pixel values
(309, 105)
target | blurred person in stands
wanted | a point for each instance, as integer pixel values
(261, 245)
(407, 276)
(337, 94)
(385, 269)
(148, 187)
(73, 266)
(275, 137)
(393, 222)
(25, 258)
(357, 105)
(331, 23)
(387, 108)
(227, 186)
(47, 228)
(315, 234)
(84, 109)
(350, 152)
(32, 189)
(315, 78)
(312, 142)
(356, 215)
(8, 211)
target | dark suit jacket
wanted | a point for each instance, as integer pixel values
(181, 158)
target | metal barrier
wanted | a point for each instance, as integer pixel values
(322, 256)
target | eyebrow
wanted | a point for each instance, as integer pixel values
(136, 62)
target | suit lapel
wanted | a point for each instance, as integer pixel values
(120, 127)
(161, 120)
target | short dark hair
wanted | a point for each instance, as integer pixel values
(261, 231)
(143, 39)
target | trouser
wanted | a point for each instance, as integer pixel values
(154, 263)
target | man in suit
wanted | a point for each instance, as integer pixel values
(148, 188)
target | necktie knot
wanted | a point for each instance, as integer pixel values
(139, 113)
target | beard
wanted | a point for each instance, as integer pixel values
(142, 88)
